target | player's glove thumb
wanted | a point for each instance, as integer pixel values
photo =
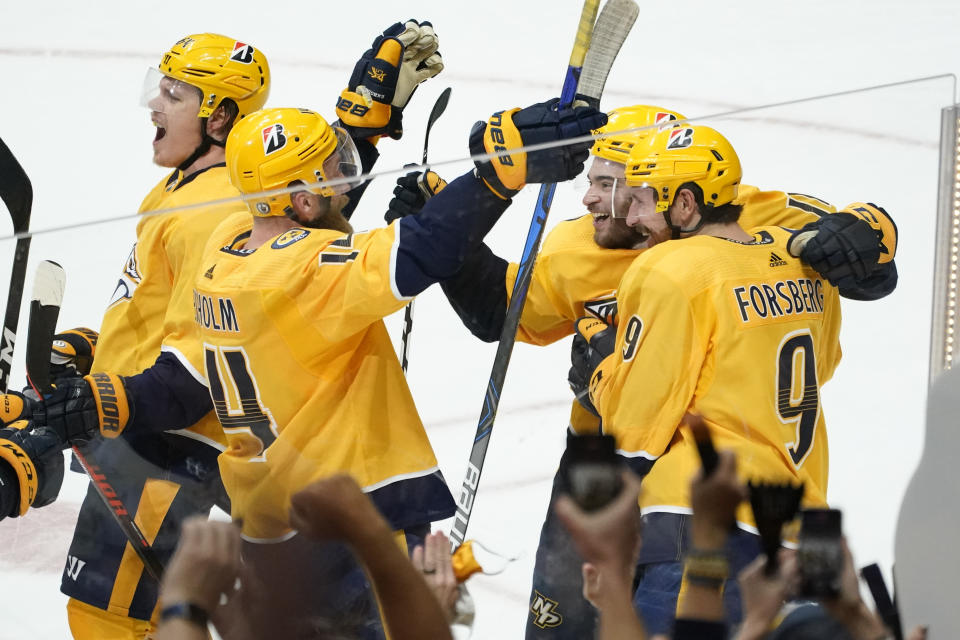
(421, 61)
(73, 352)
(593, 341)
(506, 131)
(412, 192)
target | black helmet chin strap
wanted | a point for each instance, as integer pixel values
(676, 231)
(205, 143)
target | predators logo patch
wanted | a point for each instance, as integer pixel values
(544, 610)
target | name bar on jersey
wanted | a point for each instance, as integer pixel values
(763, 300)
(219, 316)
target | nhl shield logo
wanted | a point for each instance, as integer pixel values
(273, 139)
(242, 53)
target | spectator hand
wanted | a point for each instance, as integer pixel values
(715, 499)
(205, 564)
(335, 508)
(432, 559)
(607, 539)
(764, 595)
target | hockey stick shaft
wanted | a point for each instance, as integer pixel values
(17, 194)
(49, 286)
(438, 108)
(491, 401)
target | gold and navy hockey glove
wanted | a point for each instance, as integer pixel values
(412, 192)
(593, 341)
(509, 170)
(31, 468)
(73, 352)
(847, 247)
(385, 77)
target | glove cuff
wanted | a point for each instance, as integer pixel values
(114, 408)
(504, 174)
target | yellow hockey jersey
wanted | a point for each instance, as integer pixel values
(743, 334)
(153, 298)
(575, 277)
(304, 377)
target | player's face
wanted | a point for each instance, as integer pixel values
(324, 212)
(173, 112)
(644, 218)
(608, 200)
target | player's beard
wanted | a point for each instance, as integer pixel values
(615, 234)
(329, 215)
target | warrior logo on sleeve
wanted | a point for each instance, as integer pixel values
(603, 308)
(129, 279)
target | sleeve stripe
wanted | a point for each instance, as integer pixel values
(186, 364)
(199, 438)
(636, 454)
(397, 478)
(686, 511)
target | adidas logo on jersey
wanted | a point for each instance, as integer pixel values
(74, 566)
(545, 611)
(777, 261)
(209, 272)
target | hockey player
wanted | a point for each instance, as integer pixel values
(735, 328)
(203, 85)
(299, 366)
(577, 273)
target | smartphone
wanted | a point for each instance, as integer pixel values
(592, 470)
(820, 553)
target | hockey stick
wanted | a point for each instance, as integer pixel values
(17, 194)
(594, 51)
(438, 108)
(45, 304)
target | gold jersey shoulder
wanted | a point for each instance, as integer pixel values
(151, 304)
(300, 367)
(743, 334)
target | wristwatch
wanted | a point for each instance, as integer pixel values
(185, 611)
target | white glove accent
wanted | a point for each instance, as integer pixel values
(420, 60)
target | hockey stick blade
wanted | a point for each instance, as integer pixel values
(614, 24)
(468, 490)
(438, 108)
(17, 194)
(48, 290)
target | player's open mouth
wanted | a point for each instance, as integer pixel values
(599, 218)
(160, 133)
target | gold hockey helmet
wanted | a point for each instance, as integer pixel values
(272, 148)
(614, 143)
(688, 153)
(220, 67)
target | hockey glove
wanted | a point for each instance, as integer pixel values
(385, 77)
(507, 173)
(31, 468)
(412, 192)
(72, 353)
(593, 341)
(77, 410)
(848, 246)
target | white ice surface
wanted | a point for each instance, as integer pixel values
(71, 74)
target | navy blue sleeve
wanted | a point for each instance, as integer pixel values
(368, 157)
(166, 397)
(433, 245)
(478, 293)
